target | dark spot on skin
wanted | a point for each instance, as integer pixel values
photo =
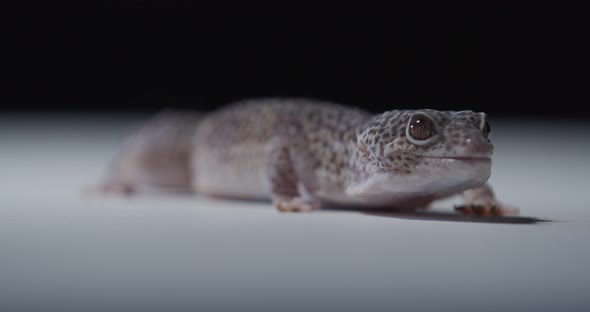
(385, 135)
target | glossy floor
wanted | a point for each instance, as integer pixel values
(60, 250)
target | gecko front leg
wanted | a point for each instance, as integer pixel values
(289, 191)
(482, 201)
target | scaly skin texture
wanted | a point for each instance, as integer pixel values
(305, 154)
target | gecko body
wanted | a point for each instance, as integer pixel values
(304, 154)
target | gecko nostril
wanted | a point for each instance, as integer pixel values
(465, 142)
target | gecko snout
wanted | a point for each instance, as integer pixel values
(466, 142)
(474, 144)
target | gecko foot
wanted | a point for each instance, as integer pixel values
(294, 204)
(111, 187)
(481, 201)
(491, 209)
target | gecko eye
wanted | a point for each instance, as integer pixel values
(487, 131)
(420, 129)
(484, 126)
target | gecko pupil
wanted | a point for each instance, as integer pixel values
(421, 127)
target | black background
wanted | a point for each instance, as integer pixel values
(505, 59)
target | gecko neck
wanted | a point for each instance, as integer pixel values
(357, 158)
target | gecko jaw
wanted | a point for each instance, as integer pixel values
(460, 158)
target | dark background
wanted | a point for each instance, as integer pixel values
(505, 59)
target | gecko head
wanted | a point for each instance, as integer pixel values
(425, 151)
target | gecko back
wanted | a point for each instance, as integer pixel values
(247, 149)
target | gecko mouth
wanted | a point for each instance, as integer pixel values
(459, 158)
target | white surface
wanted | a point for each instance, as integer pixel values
(61, 250)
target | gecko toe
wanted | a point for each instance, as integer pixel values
(111, 187)
(487, 209)
(295, 204)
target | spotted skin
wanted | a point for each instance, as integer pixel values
(305, 154)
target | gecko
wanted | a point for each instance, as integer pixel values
(305, 154)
